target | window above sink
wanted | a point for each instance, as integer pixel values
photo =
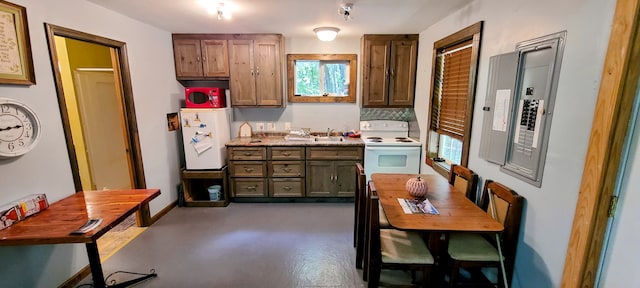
(322, 78)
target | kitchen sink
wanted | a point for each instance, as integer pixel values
(299, 138)
(329, 139)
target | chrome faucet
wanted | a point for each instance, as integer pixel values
(330, 132)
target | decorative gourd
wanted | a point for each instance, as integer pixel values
(417, 187)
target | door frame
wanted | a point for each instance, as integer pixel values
(618, 86)
(122, 64)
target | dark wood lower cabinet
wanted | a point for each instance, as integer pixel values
(293, 171)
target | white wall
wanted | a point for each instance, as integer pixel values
(548, 213)
(46, 169)
(317, 116)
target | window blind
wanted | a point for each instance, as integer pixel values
(451, 89)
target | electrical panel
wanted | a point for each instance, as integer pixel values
(519, 105)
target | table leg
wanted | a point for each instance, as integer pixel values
(143, 216)
(98, 276)
(438, 243)
(95, 265)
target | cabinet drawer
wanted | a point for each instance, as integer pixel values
(286, 169)
(248, 187)
(248, 169)
(247, 153)
(286, 187)
(286, 153)
(334, 153)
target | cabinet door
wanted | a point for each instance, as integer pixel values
(320, 178)
(241, 79)
(345, 182)
(402, 76)
(215, 58)
(187, 56)
(375, 81)
(268, 70)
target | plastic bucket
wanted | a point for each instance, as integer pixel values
(214, 192)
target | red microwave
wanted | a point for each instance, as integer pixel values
(204, 97)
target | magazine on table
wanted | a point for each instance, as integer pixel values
(413, 206)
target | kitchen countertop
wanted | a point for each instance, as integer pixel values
(279, 141)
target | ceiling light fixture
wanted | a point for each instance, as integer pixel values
(326, 33)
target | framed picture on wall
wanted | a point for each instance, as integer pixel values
(16, 62)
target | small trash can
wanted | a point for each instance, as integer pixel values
(214, 192)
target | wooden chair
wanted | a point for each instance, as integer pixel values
(464, 180)
(470, 250)
(391, 248)
(359, 215)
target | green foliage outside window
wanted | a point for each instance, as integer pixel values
(321, 77)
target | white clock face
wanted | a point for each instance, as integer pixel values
(19, 128)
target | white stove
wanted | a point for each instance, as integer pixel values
(388, 148)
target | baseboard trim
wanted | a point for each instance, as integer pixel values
(164, 211)
(86, 271)
(76, 278)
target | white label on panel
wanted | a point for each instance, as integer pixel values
(517, 134)
(501, 110)
(536, 131)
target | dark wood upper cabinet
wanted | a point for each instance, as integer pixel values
(249, 65)
(389, 70)
(200, 57)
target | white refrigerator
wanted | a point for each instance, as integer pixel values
(204, 133)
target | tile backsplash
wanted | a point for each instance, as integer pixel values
(400, 114)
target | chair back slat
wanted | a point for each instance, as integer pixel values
(464, 180)
(508, 206)
(360, 214)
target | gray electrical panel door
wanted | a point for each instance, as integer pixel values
(503, 70)
(517, 113)
(538, 71)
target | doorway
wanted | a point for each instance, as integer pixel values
(96, 104)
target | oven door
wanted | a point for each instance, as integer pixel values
(381, 159)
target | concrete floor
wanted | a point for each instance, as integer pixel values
(248, 245)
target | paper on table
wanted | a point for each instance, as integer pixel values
(411, 206)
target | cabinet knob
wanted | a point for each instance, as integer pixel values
(247, 153)
(247, 169)
(197, 59)
(286, 154)
(250, 188)
(287, 188)
(286, 169)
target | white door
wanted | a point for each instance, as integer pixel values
(622, 252)
(103, 129)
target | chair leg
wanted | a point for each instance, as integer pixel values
(359, 253)
(373, 280)
(426, 277)
(355, 224)
(453, 274)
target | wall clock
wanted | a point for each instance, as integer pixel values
(19, 128)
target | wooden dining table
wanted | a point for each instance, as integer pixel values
(55, 225)
(456, 212)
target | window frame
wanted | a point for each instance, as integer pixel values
(473, 33)
(326, 58)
